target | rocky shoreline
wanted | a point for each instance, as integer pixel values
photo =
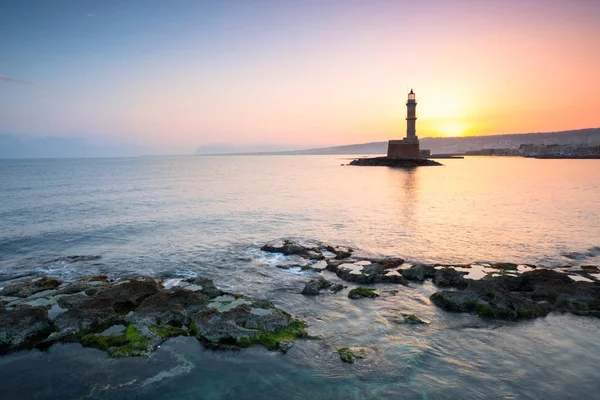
(396, 163)
(133, 316)
(500, 290)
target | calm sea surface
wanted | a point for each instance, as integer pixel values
(189, 216)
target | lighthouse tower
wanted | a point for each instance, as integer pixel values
(407, 148)
(411, 118)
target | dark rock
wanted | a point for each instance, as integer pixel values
(170, 307)
(350, 354)
(244, 325)
(23, 327)
(337, 287)
(449, 277)
(590, 268)
(504, 266)
(76, 258)
(314, 286)
(412, 319)
(529, 295)
(208, 286)
(419, 272)
(394, 277)
(26, 288)
(397, 163)
(84, 313)
(360, 292)
(127, 295)
(288, 248)
(340, 252)
(145, 313)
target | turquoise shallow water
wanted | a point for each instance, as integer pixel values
(187, 216)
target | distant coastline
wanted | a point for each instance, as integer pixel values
(441, 145)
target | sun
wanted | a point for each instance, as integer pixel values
(452, 129)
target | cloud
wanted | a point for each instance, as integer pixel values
(19, 81)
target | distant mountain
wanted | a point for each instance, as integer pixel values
(12, 146)
(511, 141)
(228, 148)
(457, 145)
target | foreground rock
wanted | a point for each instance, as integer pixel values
(133, 316)
(397, 163)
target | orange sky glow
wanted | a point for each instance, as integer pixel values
(310, 75)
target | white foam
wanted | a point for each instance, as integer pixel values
(579, 278)
(354, 269)
(524, 268)
(172, 282)
(476, 272)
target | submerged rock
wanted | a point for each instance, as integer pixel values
(314, 287)
(360, 292)
(134, 316)
(350, 354)
(413, 319)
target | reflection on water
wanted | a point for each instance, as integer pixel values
(177, 217)
(405, 181)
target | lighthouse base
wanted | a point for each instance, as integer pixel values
(403, 149)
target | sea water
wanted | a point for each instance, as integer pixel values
(177, 217)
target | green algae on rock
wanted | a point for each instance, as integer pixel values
(129, 343)
(529, 295)
(350, 354)
(361, 292)
(413, 319)
(133, 316)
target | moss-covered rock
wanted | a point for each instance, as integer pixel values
(350, 354)
(278, 339)
(529, 295)
(133, 316)
(413, 319)
(169, 331)
(129, 343)
(361, 292)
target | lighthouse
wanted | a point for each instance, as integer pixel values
(407, 148)
(411, 118)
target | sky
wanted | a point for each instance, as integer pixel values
(175, 75)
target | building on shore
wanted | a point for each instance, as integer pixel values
(555, 149)
(407, 148)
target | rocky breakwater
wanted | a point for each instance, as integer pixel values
(501, 290)
(391, 162)
(133, 316)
